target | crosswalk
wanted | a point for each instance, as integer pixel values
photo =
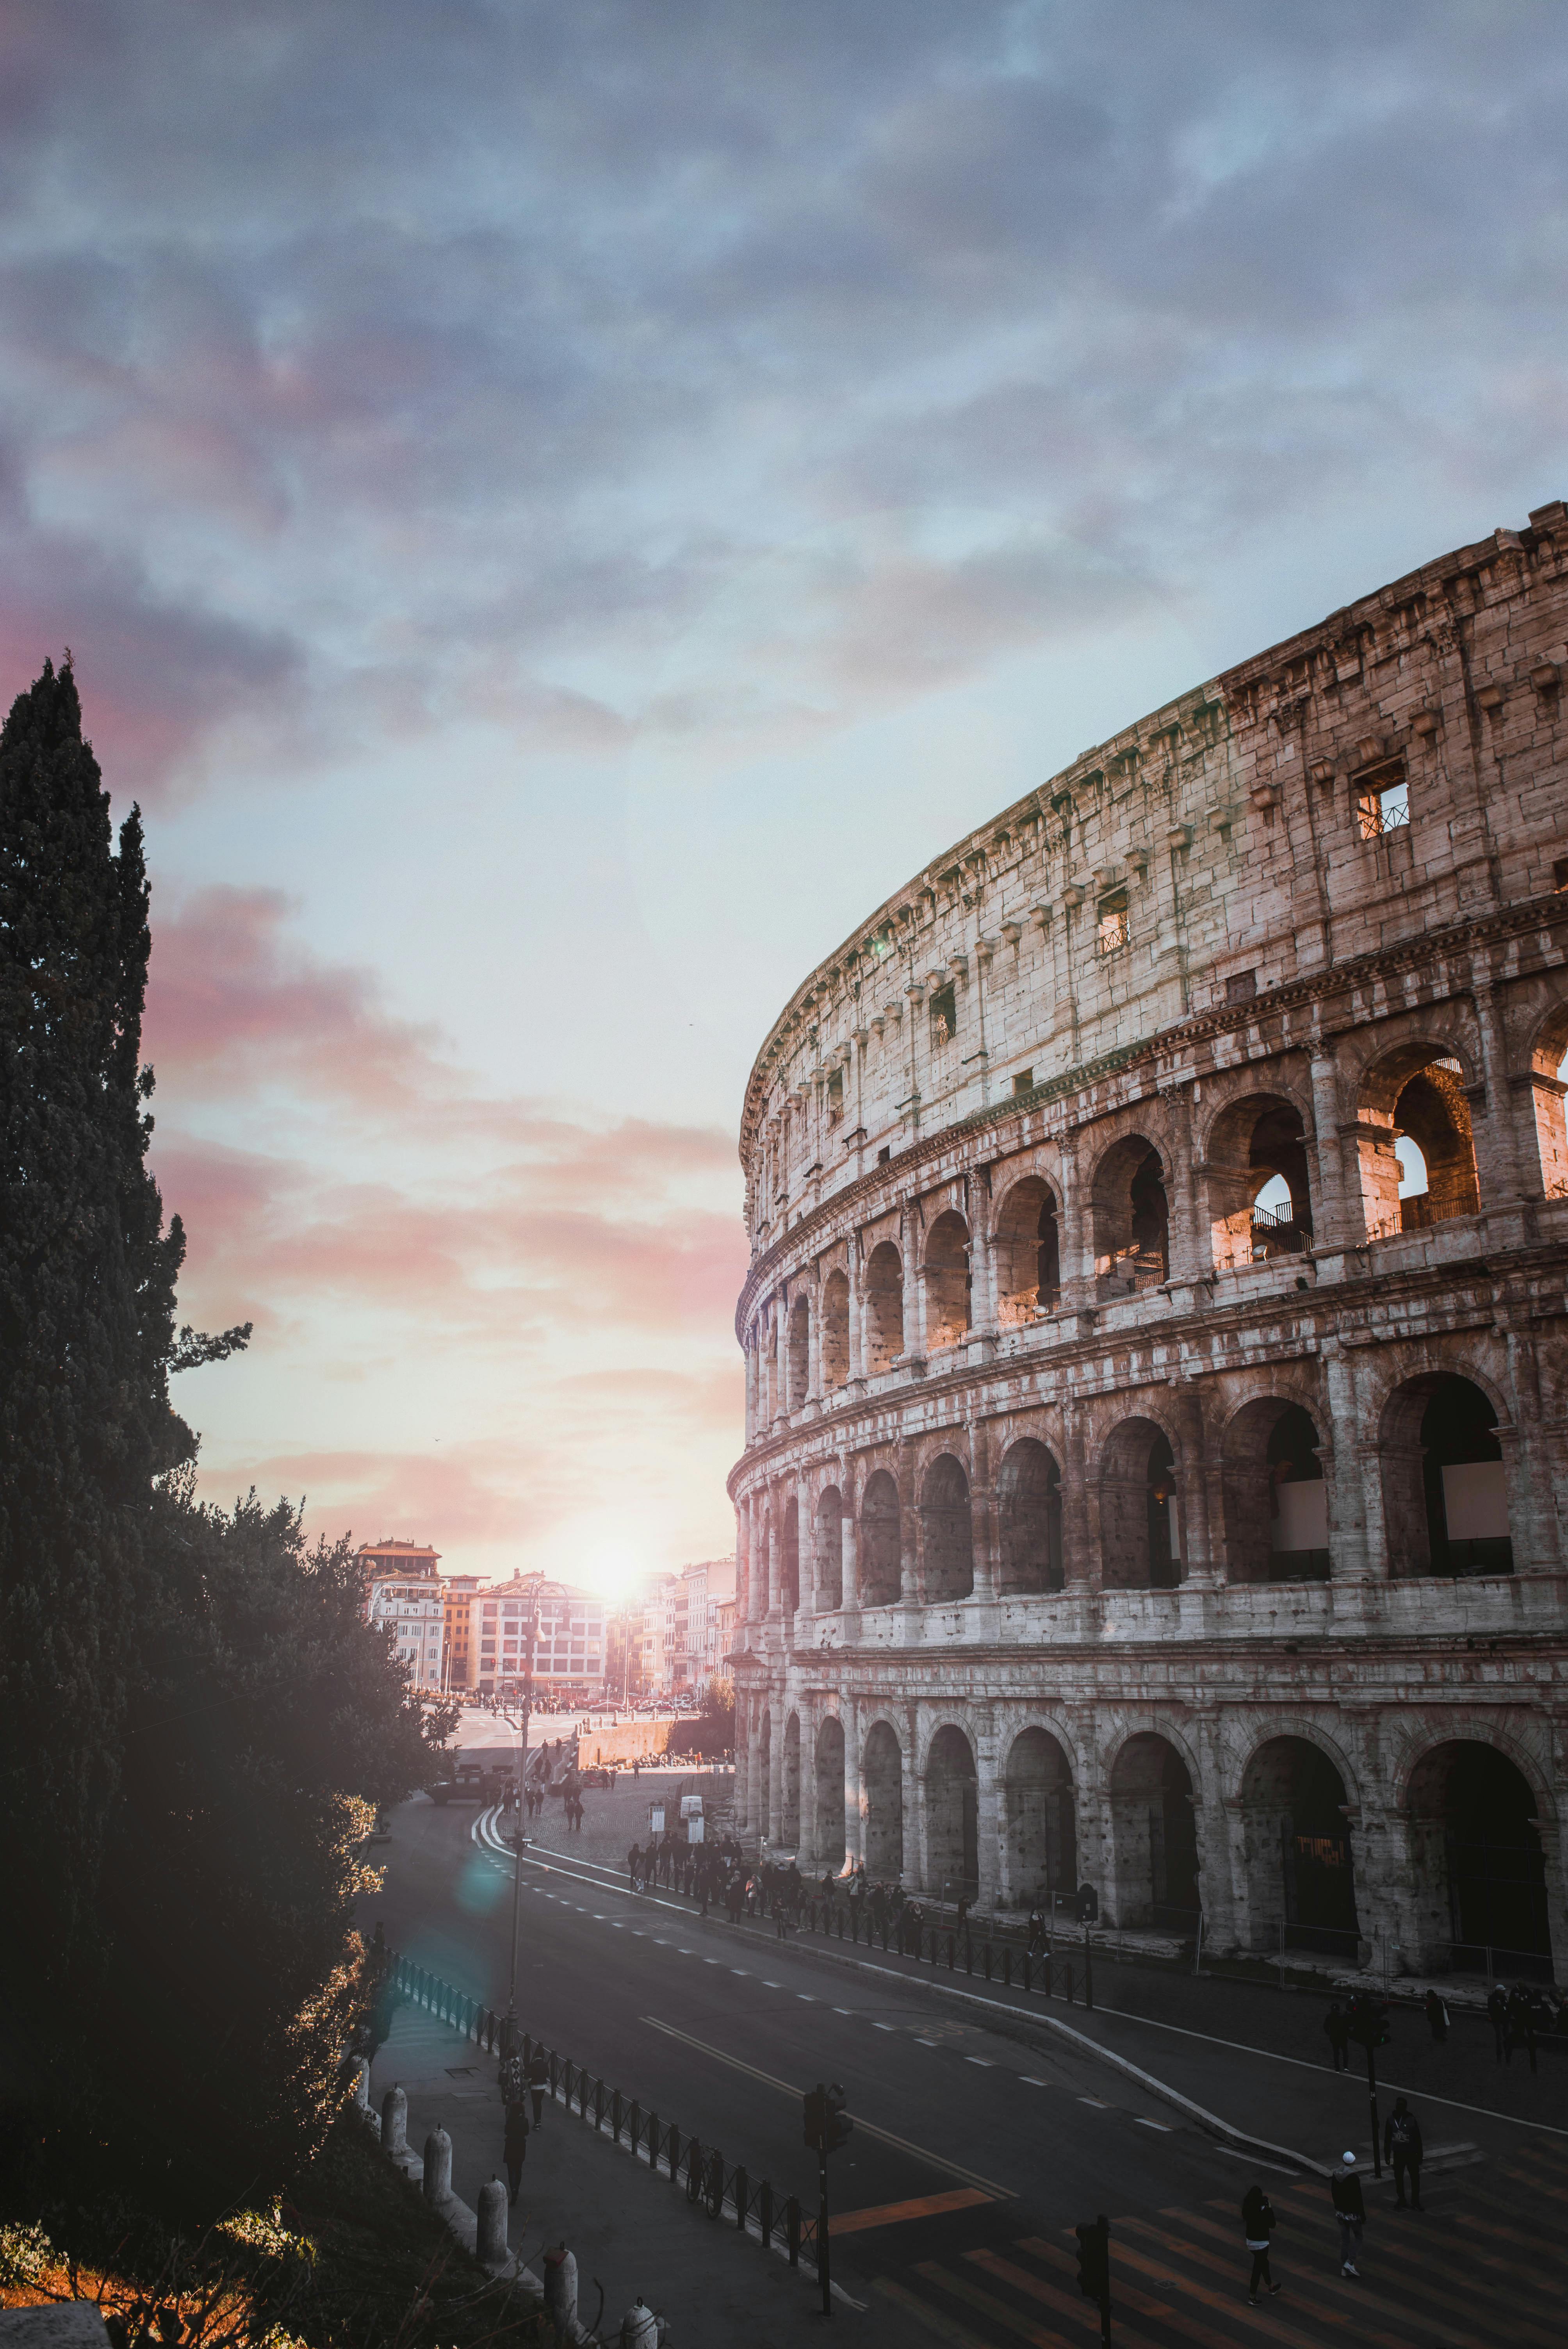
(1486, 2263)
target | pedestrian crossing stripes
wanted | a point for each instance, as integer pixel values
(1486, 2262)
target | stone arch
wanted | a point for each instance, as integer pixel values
(951, 1815)
(884, 1308)
(1154, 1838)
(1445, 1492)
(946, 1274)
(1131, 1218)
(1040, 1833)
(947, 1533)
(790, 1786)
(830, 1548)
(1250, 1144)
(798, 1351)
(1275, 1495)
(1416, 1090)
(834, 1340)
(790, 1557)
(1139, 1519)
(829, 1789)
(1479, 1860)
(882, 1781)
(1300, 1877)
(1029, 1504)
(1028, 1252)
(882, 1542)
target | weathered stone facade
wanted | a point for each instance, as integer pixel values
(1138, 1489)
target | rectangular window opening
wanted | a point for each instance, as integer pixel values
(884, 1155)
(943, 1016)
(1024, 1082)
(1111, 924)
(1560, 873)
(1241, 987)
(1382, 799)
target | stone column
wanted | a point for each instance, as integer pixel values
(1091, 1810)
(1198, 1547)
(910, 1239)
(982, 1256)
(780, 1354)
(988, 1812)
(1496, 1141)
(1080, 1556)
(814, 1344)
(806, 1840)
(778, 1714)
(1531, 1487)
(751, 1390)
(1222, 1896)
(854, 1795)
(849, 1528)
(770, 1536)
(984, 1529)
(1358, 1548)
(911, 1565)
(1330, 1223)
(857, 1308)
(1075, 1230)
(1186, 1249)
(914, 1853)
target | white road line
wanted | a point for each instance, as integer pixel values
(1164, 2126)
(983, 2061)
(741, 1970)
(1096, 2102)
(1027, 2080)
(806, 1998)
(885, 2026)
(843, 2010)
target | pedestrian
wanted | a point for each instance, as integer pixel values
(1497, 2015)
(1436, 2017)
(780, 1922)
(1337, 2024)
(516, 2145)
(635, 1866)
(1520, 2024)
(1350, 2210)
(1258, 2226)
(1402, 2146)
(537, 2082)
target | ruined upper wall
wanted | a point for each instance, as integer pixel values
(1214, 849)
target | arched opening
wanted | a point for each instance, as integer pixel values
(1141, 1537)
(1027, 1254)
(1259, 1203)
(1154, 1836)
(1416, 1095)
(799, 1352)
(1300, 1883)
(947, 1282)
(790, 1559)
(830, 1574)
(1132, 1220)
(1444, 1482)
(1029, 1499)
(789, 1785)
(830, 1836)
(763, 1809)
(882, 1776)
(1480, 1868)
(1041, 1854)
(882, 1542)
(1549, 1086)
(884, 1308)
(1277, 1510)
(835, 1334)
(947, 1540)
(951, 1816)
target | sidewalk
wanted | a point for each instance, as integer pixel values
(629, 2230)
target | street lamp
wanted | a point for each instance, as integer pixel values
(519, 1839)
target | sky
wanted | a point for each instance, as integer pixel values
(558, 510)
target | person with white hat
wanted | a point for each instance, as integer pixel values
(1350, 2210)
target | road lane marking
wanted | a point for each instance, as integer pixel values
(1027, 2080)
(893, 2214)
(889, 2026)
(1164, 2126)
(806, 1998)
(843, 2010)
(1098, 2103)
(868, 2128)
(983, 2061)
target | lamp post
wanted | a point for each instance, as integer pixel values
(519, 1839)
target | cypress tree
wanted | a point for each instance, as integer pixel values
(87, 1306)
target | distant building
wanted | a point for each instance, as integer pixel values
(569, 1657)
(705, 1588)
(458, 1592)
(403, 1596)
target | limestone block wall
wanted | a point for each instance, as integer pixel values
(1156, 1331)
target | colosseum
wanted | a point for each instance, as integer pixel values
(1156, 1468)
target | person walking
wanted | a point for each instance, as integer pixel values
(1402, 2146)
(634, 1866)
(516, 2145)
(1350, 2211)
(1497, 2015)
(1520, 2029)
(1336, 2025)
(538, 2084)
(1436, 2017)
(1258, 2225)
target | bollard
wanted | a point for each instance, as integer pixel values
(561, 2291)
(693, 2169)
(793, 2229)
(764, 2212)
(639, 2327)
(598, 2105)
(395, 2122)
(437, 2183)
(490, 2245)
(741, 2200)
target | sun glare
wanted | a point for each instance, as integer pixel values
(613, 1568)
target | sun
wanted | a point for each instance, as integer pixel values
(613, 1569)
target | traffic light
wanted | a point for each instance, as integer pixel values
(1369, 2021)
(1094, 2259)
(827, 2125)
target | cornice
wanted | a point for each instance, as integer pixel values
(1421, 951)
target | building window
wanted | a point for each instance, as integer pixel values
(1382, 799)
(943, 1016)
(1024, 1082)
(1111, 929)
(1241, 987)
(836, 1097)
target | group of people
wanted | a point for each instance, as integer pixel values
(1401, 2150)
(1519, 2016)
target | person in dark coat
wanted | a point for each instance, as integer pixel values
(1258, 2226)
(1497, 2015)
(1520, 2029)
(1350, 2211)
(539, 2084)
(1436, 2017)
(516, 2145)
(1336, 2025)
(1402, 2146)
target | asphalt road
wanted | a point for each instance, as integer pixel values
(720, 2033)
